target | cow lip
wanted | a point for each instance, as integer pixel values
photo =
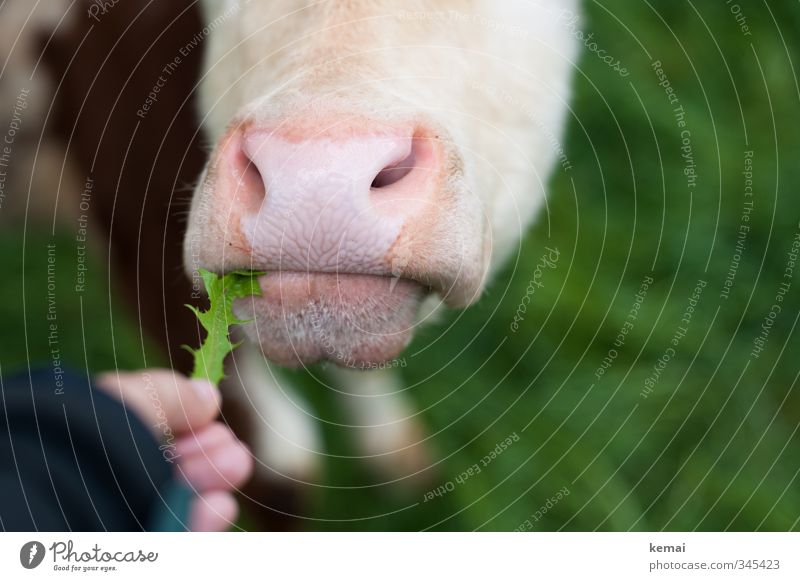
(296, 274)
(303, 317)
(309, 273)
(269, 277)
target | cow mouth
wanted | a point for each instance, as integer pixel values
(352, 320)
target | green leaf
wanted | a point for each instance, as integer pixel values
(222, 290)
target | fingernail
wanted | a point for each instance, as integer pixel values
(205, 389)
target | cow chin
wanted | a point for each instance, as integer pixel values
(352, 320)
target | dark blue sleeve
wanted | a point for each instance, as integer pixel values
(74, 459)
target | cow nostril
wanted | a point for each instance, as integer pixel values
(395, 172)
(250, 178)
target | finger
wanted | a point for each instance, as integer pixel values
(224, 467)
(161, 396)
(205, 439)
(213, 511)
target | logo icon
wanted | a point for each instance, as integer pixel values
(31, 554)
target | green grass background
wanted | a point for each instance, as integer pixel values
(715, 446)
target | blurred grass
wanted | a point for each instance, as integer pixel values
(715, 446)
(93, 331)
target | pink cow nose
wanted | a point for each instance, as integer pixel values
(328, 203)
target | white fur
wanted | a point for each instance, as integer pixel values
(288, 442)
(388, 431)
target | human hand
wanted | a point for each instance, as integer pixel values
(207, 455)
